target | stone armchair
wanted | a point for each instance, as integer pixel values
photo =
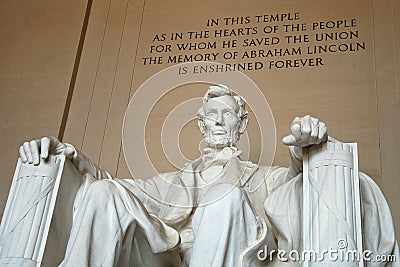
(38, 216)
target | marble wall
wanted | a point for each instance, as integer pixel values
(39, 42)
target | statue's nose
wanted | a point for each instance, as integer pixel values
(219, 120)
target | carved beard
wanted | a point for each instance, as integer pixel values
(221, 141)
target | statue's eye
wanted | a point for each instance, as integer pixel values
(211, 114)
(227, 113)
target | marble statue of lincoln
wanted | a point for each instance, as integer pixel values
(209, 213)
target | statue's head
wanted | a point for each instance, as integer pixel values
(223, 117)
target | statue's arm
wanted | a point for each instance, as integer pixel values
(36, 150)
(85, 166)
(296, 162)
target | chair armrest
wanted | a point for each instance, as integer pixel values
(38, 216)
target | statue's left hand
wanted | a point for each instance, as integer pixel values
(31, 152)
(306, 131)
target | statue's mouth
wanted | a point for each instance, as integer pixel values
(219, 132)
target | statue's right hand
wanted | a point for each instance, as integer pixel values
(35, 150)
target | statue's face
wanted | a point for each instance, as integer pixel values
(221, 122)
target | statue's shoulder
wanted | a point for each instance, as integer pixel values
(166, 177)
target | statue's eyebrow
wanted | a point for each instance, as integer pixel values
(227, 108)
(210, 110)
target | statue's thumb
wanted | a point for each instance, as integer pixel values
(69, 152)
(289, 140)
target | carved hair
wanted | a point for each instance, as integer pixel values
(222, 90)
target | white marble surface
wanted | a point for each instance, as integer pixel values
(38, 215)
(210, 213)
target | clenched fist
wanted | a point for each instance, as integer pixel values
(306, 131)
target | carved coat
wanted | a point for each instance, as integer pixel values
(178, 192)
(276, 199)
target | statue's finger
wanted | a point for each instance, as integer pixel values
(22, 154)
(322, 132)
(314, 133)
(296, 120)
(34, 151)
(27, 150)
(306, 125)
(289, 140)
(295, 129)
(314, 120)
(44, 147)
(69, 152)
(56, 147)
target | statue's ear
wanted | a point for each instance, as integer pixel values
(201, 125)
(243, 124)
